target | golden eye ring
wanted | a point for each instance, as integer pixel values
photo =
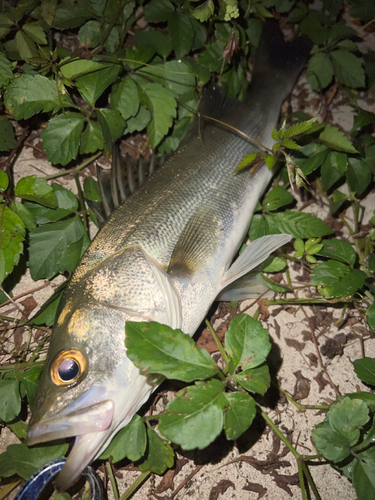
(67, 367)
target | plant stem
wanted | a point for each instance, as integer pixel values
(280, 434)
(75, 169)
(299, 406)
(306, 301)
(310, 480)
(219, 345)
(137, 483)
(112, 480)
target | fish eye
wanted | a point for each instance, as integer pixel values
(68, 367)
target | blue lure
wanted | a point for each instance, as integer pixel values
(37, 483)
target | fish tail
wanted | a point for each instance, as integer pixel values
(278, 61)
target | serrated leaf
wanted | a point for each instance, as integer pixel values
(319, 71)
(278, 197)
(364, 476)
(255, 380)
(10, 400)
(335, 139)
(347, 417)
(348, 68)
(114, 122)
(247, 342)
(35, 32)
(91, 189)
(92, 85)
(139, 121)
(333, 169)
(365, 370)
(30, 94)
(130, 442)
(195, 417)
(316, 154)
(367, 397)
(273, 265)
(24, 461)
(239, 415)
(12, 234)
(336, 200)
(36, 189)
(261, 225)
(125, 98)
(29, 380)
(24, 214)
(182, 33)
(25, 46)
(158, 11)
(160, 43)
(300, 224)
(6, 70)
(7, 137)
(204, 11)
(359, 176)
(162, 106)
(298, 128)
(333, 445)
(91, 138)
(335, 279)
(90, 33)
(339, 250)
(156, 348)
(61, 137)
(67, 204)
(160, 456)
(46, 260)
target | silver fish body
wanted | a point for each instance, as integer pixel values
(164, 255)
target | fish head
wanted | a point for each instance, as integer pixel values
(89, 389)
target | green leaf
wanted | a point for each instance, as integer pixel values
(255, 380)
(273, 265)
(300, 225)
(362, 119)
(24, 461)
(67, 204)
(347, 417)
(359, 176)
(12, 234)
(7, 138)
(331, 444)
(130, 442)
(335, 139)
(159, 42)
(277, 198)
(297, 128)
(162, 106)
(335, 279)
(92, 85)
(339, 250)
(316, 154)
(5, 25)
(139, 121)
(156, 348)
(35, 32)
(364, 476)
(247, 342)
(24, 214)
(29, 380)
(4, 181)
(182, 33)
(348, 68)
(47, 313)
(89, 34)
(195, 417)
(239, 415)
(365, 370)
(47, 260)
(336, 200)
(61, 137)
(91, 189)
(319, 71)
(6, 70)
(125, 98)
(25, 46)
(10, 400)
(91, 138)
(36, 189)
(272, 285)
(30, 94)
(158, 11)
(114, 121)
(160, 456)
(370, 316)
(204, 11)
(367, 397)
(333, 169)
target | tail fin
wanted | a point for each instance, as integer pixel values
(283, 60)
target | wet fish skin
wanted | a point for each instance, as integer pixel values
(164, 255)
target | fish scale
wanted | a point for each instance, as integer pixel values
(164, 255)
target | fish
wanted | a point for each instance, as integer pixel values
(165, 254)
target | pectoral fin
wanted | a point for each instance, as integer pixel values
(253, 255)
(247, 287)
